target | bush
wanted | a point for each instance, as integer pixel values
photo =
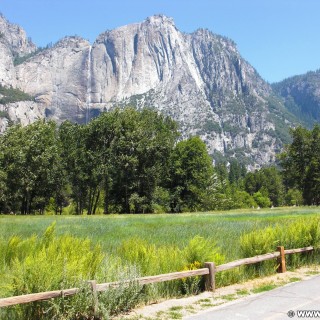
(198, 251)
(243, 199)
(120, 299)
(259, 242)
(298, 234)
(152, 260)
(149, 259)
(55, 263)
(261, 200)
(294, 197)
(192, 285)
(4, 114)
(202, 250)
(161, 200)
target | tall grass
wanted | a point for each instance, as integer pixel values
(298, 234)
(51, 262)
(224, 228)
(154, 260)
(111, 248)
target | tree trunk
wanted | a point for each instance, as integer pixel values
(91, 195)
(96, 203)
(106, 197)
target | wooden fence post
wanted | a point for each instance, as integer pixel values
(93, 284)
(281, 260)
(210, 281)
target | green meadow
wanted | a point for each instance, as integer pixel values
(42, 253)
(224, 228)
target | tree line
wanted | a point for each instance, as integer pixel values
(301, 164)
(129, 161)
(123, 161)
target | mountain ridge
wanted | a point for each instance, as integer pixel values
(301, 94)
(199, 79)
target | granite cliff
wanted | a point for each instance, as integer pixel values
(200, 79)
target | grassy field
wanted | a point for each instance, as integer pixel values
(42, 253)
(224, 228)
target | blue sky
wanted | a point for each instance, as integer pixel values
(280, 38)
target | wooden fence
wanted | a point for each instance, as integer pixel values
(209, 271)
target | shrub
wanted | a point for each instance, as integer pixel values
(198, 251)
(55, 263)
(202, 250)
(4, 114)
(192, 285)
(261, 200)
(152, 260)
(294, 197)
(120, 299)
(243, 199)
(258, 242)
(298, 234)
(161, 200)
(149, 259)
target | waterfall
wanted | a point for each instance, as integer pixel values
(88, 96)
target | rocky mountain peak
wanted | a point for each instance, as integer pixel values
(160, 20)
(16, 37)
(199, 79)
(72, 42)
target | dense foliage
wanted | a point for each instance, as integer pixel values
(31, 167)
(121, 156)
(301, 164)
(123, 161)
(128, 161)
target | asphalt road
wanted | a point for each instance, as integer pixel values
(287, 302)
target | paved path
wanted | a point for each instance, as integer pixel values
(274, 304)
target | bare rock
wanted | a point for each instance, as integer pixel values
(199, 79)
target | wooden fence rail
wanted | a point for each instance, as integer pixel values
(208, 271)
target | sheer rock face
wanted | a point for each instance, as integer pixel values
(199, 79)
(23, 112)
(141, 57)
(13, 42)
(7, 71)
(57, 78)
